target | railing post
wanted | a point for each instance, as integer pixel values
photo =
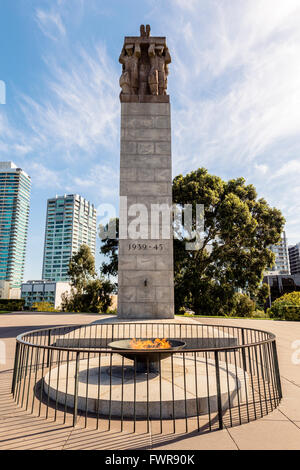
(76, 389)
(243, 351)
(48, 352)
(16, 364)
(219, 400)
(278, 381)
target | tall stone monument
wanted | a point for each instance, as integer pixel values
(146, 285)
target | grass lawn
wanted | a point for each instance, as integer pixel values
(229, 317)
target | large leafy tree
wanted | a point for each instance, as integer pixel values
(234, 251)
(81, 268)
(238, 230)
(88, 294)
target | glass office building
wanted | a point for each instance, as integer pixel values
(15, 187)
(70, 222)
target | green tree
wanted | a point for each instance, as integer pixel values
(244, 306)
(238, 229)
(82, 268)
(263, 292)
(97, 295)
(88, 293)
(95, 298)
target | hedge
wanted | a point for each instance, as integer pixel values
(12, 305)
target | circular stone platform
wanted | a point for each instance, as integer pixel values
(190, 396)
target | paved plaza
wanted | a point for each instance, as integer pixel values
(21, 430)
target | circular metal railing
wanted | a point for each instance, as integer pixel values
(225, 376)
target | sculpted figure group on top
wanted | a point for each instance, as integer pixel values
(144, 66)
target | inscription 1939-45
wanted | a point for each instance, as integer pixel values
(146, 246)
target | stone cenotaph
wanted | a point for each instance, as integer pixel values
(145, 270)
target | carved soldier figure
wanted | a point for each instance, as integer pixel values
(159, 60)
(153, 74)
(143, 76)
(129, 58)
(144, 62)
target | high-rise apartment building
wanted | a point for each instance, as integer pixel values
(70, 222)
(281, 265)
(15, 187)
(294, 256)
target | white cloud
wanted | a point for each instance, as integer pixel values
(291, 169)
(104, 179)
(43, 177)
(237, 81)
(234, 85)
(21, 149)
(261, 168)
(5, 130)
(13, 143)
(188, 5)
(51, 24)
(73, 121)
(81, 111)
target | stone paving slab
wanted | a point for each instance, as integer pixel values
(290, 404)
(263, 434)
(220, 440)
(97, 440)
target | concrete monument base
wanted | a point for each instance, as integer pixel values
(111, 398)
(145, 271)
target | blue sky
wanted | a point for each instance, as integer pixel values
(234, 84)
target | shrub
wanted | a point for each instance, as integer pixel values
(181, 311)
(286, 307)
(244, 306)
(112, 311)
(260, 314)
(43, 307)
(12, 305)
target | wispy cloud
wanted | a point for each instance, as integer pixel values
(50, 22)
(236, 80)
(70, 129)
(187, 5)
(81, 110)
(290, 168)
(261, 169)
(43, 177)
(102, 177)
(71, 125)
(234, 84)
(13, 143)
